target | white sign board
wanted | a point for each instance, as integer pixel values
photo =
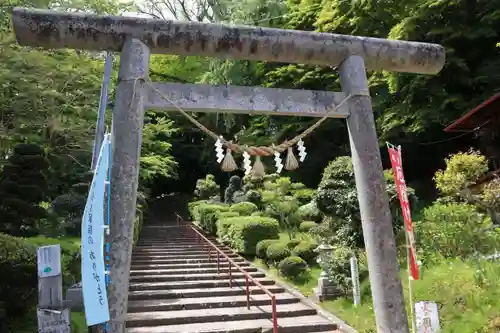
(51, 321)
(427, 317)
(49, 261)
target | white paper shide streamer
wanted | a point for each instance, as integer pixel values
(219, 150)
(302, 150)
(247, 163)
(278, 162)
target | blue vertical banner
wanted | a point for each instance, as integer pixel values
(95, 297)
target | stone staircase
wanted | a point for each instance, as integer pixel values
(174, 287)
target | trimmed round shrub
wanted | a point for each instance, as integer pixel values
(339, 268)
(309, 212)
(307, 225)
(303, 196)
(277, 252)
(292, 266)
(244, 232)
(261, 248)
(206, 187)
(254, 197)
(244, 208)
(258, 213)
(223, 215)
(305, 250)
(293, 243)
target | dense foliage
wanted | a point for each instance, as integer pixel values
(18, 283)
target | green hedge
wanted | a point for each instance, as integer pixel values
(193, 209)
(277, 252)
(261, 248)
(305, 250)
(208, 217)
(244, 208)
(292, 266)
(291, 244)
(18, 278)
(222, 231)
(307, 225)
(244, 232)
(225, 215)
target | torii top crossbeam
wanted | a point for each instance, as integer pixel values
(52, 29)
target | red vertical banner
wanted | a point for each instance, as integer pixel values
(399, 179)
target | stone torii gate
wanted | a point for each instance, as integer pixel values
(136, 38)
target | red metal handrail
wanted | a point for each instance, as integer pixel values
(231, 262)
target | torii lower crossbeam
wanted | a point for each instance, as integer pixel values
(246, 100)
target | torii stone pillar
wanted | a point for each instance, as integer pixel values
(136, 37)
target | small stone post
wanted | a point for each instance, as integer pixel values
(356, 293)
(128, 119)
(325, 289)
(51, 314)
(387, 291)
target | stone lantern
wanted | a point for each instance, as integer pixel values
(325, 290)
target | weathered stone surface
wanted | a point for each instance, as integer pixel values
(381, 251)
(186, 271)
(136, 266)
(51, 29)
(304, 324)
(191, 277)
(177, 260)
(199, 292)
(207, 303)
(158, 318)
(171, 285)
(128, 121)
(247, 100)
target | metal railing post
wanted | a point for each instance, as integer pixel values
(247, 287)
(248, 277)
(218, 261)
(275, 316)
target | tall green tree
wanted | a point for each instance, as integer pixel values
(22, 187)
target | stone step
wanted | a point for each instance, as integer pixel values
(200, 292)
(177, 239)
(175, 247)
(191, 277)
(188, 271)
(207, 303)
(169, 251)
(165, 240)
(181, 260)
(170, 285)
(150, 265)
(159, 318)
(169, 243)
(305, 324)
(202, 255)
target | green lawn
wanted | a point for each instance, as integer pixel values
(69, 242)
(78, 324)
(467, 304)
(29, 324)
